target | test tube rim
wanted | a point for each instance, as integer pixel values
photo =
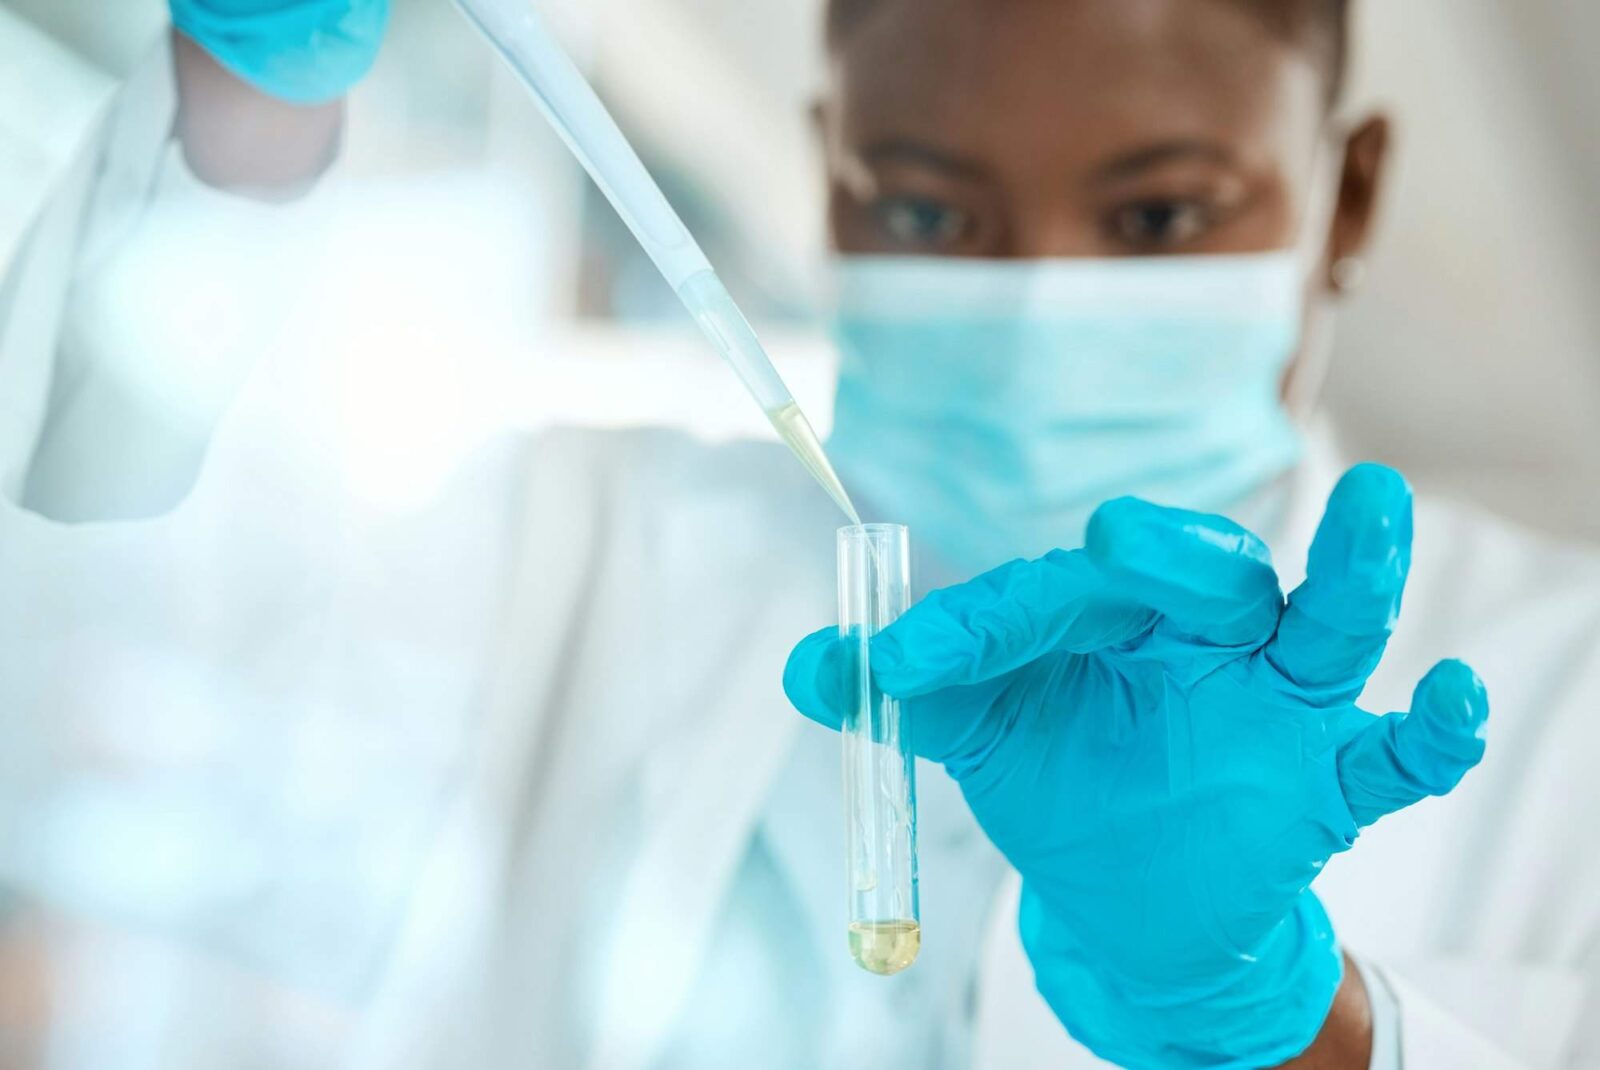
(858, 531)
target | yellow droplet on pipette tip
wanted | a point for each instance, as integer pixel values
(797, 433)
(885, 947)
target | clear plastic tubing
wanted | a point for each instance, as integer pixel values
(880, 787)
(567, 100)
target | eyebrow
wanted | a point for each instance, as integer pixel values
(1165, 152)
(896, 150)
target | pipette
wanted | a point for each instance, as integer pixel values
(518, 33)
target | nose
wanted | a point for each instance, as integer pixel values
(1050, 230)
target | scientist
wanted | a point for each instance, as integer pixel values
(1088, 249)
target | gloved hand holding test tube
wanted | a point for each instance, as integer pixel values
(517, 32)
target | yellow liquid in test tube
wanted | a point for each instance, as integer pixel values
(885, 947)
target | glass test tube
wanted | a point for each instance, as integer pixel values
(880, 791)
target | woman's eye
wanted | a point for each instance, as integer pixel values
(917, 221)
(1160, 224)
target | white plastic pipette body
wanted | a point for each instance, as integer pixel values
(517, 32)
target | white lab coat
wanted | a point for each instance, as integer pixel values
(1481, 910)
(467, 785)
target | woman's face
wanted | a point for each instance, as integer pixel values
(1083, 128)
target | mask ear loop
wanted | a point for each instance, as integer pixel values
(1316, 352)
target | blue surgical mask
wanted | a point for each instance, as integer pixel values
(993, 405)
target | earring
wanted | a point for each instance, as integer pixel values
(1349, 273)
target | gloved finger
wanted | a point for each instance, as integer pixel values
(1402, 758)
(1338, 622)
(1002, 620)
(820, 680)
(1211, 578)
(817, 677)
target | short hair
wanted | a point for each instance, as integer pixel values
(1321, 25)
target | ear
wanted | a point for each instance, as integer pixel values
(824, 127)
(1361, 185)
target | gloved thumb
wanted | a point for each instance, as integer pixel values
(1404, 757)
(817, 677)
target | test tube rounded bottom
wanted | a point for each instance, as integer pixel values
(880, 794)
(885, 947)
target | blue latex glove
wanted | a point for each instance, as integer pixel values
(300, 51)
(1169, 755)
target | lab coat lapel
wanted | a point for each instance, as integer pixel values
(631, 742)
(79, 151)
(681, 879)
(719, 775)
(53, 107)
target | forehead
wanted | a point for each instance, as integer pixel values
(1086, 77)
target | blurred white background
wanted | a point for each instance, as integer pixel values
(1471, 359)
